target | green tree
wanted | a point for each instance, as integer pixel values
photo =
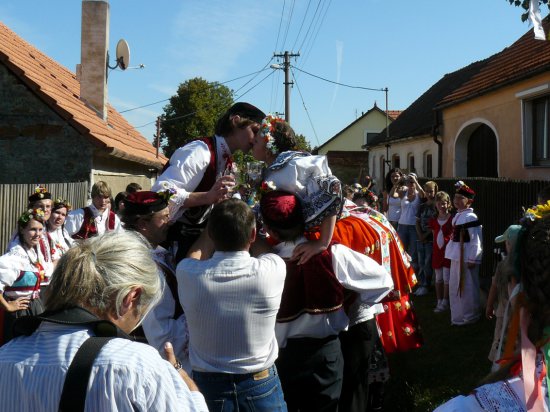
(524, 4)
(302, 143)
(193, 112)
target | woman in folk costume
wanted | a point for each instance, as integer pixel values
(22, 269)
(147, 213)
(522, 382)
(310, 179)
(58, 238)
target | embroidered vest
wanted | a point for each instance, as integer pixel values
(89, 227)
(27, 281)
(310, 288)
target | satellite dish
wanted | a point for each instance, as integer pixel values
(122, 54)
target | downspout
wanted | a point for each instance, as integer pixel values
(435, 132)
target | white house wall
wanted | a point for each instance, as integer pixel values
(419, 148)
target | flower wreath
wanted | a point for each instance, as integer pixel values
(37, 214)
(62, 203)
(40, 190)
(267, 127)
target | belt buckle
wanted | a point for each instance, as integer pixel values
(261, 375)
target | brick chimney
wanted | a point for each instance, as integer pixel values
(92, 72)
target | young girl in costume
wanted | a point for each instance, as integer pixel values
(464, 251)
(442, 229)
(58, 238)
(525, 384)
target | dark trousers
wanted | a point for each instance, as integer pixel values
(311, 373)
(358, 344)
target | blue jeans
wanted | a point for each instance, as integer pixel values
(225, 392)
(409, 237)
(425, 263)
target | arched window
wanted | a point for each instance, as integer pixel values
(396, 161)
(410, 163)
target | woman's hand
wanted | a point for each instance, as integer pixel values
(17, 304)
(305, 251)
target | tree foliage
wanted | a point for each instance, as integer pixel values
(193, 112)
(302, 143)
(524, 4)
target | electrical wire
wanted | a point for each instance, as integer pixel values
(305, 108)
(312, 43)
(257, 84)
(280, 24)
(289, 22)
(340, 84)
(301, 26)
(212, 84)
(310, 25)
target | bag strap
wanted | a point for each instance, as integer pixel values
(73, 396)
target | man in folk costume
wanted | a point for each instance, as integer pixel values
(200, 171)
(95, 219)
(147, 213)
(464, 251)
(334, 290)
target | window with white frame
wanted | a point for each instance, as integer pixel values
(536, 126)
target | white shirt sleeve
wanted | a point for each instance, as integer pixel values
(185, 172)
(360, 273)
(9, 270)
(160, 327)
(74, 220)
(474, 248)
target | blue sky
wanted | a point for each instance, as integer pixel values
(404, 45)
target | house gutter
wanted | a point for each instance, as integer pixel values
(435, 132)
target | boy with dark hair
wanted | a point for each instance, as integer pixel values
(231, 301)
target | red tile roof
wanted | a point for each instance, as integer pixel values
(525, 58)
(59, 88)
(394, 114)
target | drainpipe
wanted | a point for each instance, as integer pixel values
(435, 132)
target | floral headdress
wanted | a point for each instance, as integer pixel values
(40, 192)
(267, 128)
(59, 203)
(37, 214)
(536, 212)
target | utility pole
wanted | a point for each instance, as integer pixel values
(159, 118)
(286, 67)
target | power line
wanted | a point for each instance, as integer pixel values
(257, 84)
(288, 25)
(301, 26)
(310, 25)
(305, 108)
(212, 84)
(255, 75)
(280, 24)
(321, 21)
(339, 84)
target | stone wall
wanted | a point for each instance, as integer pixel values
(36, 144)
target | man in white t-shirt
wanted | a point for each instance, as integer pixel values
(231, 301)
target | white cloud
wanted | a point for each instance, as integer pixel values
(339, 58)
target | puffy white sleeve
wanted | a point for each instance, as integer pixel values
(360, 273)
(473, 250)
(9, 270)
(460, 404)
(74, 221)
(184, 173)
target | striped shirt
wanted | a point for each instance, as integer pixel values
(126, 376)
(231, 303)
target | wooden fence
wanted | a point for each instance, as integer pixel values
(498, 204)
(14, 199)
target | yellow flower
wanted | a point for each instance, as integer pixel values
(538, 211)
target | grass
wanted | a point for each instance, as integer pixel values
(452, 361)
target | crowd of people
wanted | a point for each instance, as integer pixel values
(285, 291)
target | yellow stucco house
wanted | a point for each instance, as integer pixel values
(497, 124)
(346, 152)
